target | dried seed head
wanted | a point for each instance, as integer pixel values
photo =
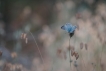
(72, 53)
(86, 46)
(76, 54)
(77, 57)
(81, 45)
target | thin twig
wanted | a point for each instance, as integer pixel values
(37, 47)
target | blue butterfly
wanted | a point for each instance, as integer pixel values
(69, 28)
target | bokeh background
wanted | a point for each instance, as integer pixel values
(43, 19)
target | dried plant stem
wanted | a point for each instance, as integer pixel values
(69, 54)
(37, 47)
(70, 58)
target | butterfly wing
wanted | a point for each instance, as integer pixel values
(69, 28)
(72, 29)
(65, 27)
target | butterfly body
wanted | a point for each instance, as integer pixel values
(69, 28)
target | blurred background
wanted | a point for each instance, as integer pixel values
(21, 20)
